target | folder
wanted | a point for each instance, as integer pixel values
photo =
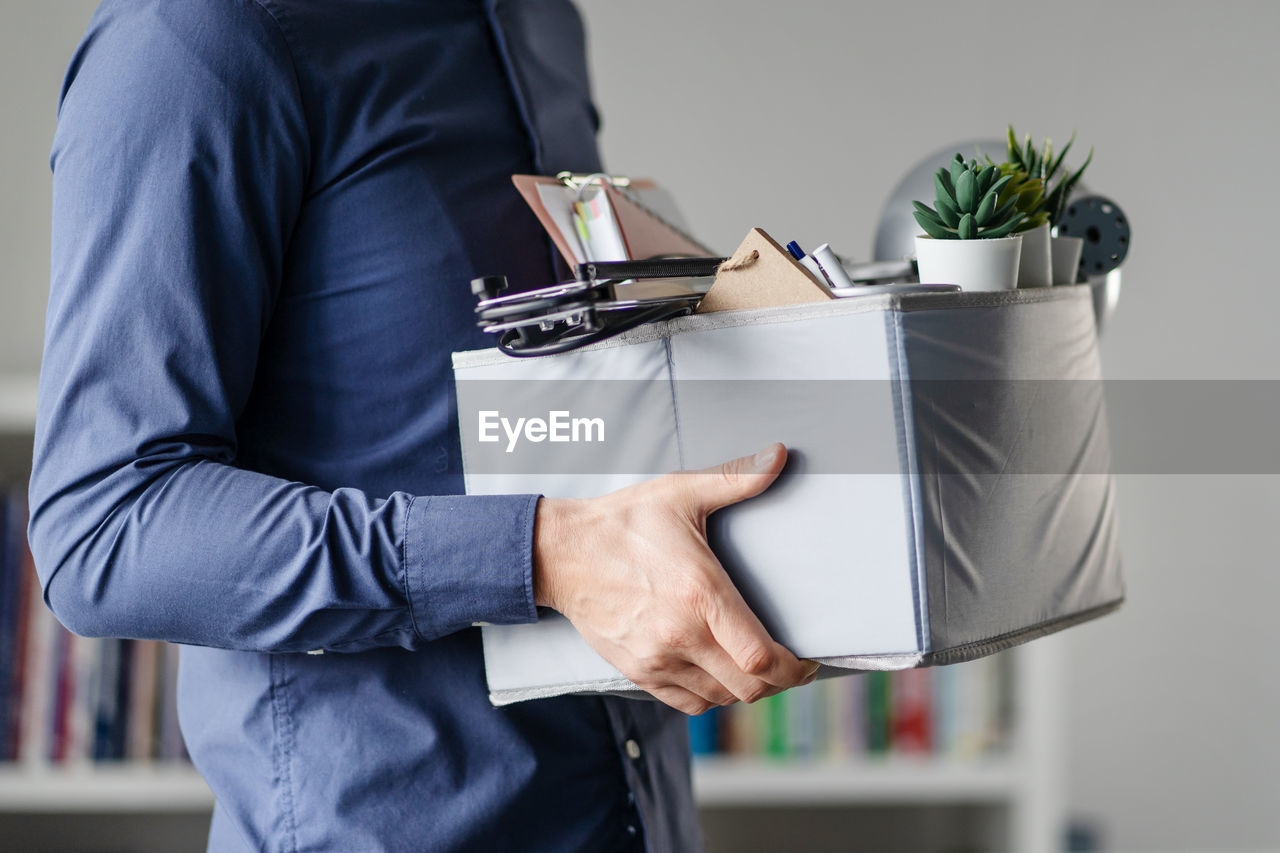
(646, 220)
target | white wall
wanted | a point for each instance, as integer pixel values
(36, 40)
(802, 116)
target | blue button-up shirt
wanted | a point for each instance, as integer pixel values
(266, 214)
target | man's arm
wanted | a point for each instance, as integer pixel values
(180, 165)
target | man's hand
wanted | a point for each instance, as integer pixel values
(632, 571)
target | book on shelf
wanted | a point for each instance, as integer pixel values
(911, 712)
(959, 712)
(66, 699)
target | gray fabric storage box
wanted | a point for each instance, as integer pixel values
(948, 493)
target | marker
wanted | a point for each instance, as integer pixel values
(831, 267)
(807, 261)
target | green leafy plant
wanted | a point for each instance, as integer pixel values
(967, 203)
(1027, 194)
(1044, 166)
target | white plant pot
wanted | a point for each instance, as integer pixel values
(1066, 258)
(1035, 269)
(972, 264)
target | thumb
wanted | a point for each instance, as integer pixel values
(736, 480)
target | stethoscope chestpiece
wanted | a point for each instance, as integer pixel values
(489, 286)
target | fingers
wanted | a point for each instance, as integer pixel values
(678, 683)
(749, 688)
(706, 686)
(708, 671)
(694, 689)
(737, 630)
(688, 654)
(689, 659)
(736, 480)
(720, 667)
(682, 700)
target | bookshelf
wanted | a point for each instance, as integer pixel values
(1010, 798)
(83, 805)
(721, 782)
(1015, 794)
(125, 787)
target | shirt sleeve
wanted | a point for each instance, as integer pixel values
(180, 164)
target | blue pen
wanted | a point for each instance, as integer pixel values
(808, 263)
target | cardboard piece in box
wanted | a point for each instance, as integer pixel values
(761, 274)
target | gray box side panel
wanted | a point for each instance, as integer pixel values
(821, 557)
(1019, 504)
(912, 502)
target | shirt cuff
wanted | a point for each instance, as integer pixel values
(469, 559)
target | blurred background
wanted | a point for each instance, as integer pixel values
(1151, 730)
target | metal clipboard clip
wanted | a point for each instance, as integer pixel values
(580, 180)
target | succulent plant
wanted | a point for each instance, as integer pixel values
(967, 203)
(1043, 165)
(1027, 194)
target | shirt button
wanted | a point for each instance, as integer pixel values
(633, 749)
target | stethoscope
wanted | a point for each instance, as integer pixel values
(592, 308)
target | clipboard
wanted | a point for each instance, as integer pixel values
(645, 215)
